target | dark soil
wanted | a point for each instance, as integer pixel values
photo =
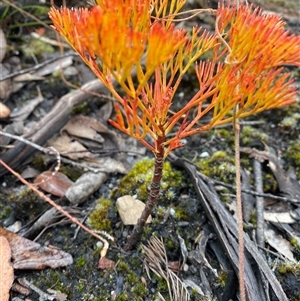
(129, 280)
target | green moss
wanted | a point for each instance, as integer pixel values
(36, 47)
(292, 156)
(5, 212)
(123, 297)
(294, 242)
(80, 286)
(138, 180)
(52, 278)
(170, 244)
(99, 219)
(253, 218)
(225, 136)
(222, 278)
(73, 173)
(180, 213)
(162, 285)
(270, 183)
(290, 122)
(139, 290)
(80, 262)
(249, 134)
(82, 108)
(288, 267)
(160, 212)
(39, 163)
(28, 204)
(219, 166)
(131, 279)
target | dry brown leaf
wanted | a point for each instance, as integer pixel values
(105, 263)
(71, 149)
(56, 184)
(280, 244)
(85, 127)
(23, 112)
(27, 254)
(279, 217)
(6, 269)
(105, 111)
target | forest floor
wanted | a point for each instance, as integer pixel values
(195, 257)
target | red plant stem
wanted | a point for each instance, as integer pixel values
(152, 196)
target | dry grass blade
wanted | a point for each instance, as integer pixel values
(6, 269)
(156, 258)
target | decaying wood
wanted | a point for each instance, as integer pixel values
(226, 230)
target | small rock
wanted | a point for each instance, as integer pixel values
(204, 155)
(15, 227)
(130, 210)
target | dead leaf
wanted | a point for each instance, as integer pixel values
(279, 217)
(70, 147)
(59, 296)
(56, 184)
(280, 244)
(105, 263)
(105, 111)
(85, 127)
(23, 112)
(6, 269)
(27, 254)
(108, 164)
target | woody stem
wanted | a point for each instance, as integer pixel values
(152, 196)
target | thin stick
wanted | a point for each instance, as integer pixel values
(259, 204)
(37, 66)
(34, 145)
(60, 209)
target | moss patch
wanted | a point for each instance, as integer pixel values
(138, 180)
(99, 217)
(250, 135)
(219, 166)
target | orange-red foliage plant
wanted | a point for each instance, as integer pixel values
(248, 52)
